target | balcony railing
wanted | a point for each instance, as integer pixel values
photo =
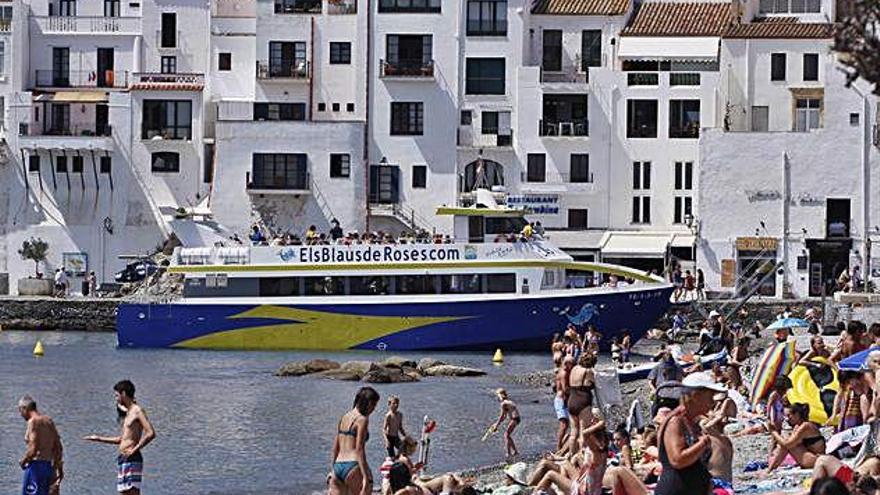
(571, 75)
(5, 25)
(576, 128)
(643, 79)
(684, 78)
(577, 178)
(298, 6)
(155, 80)
(416, 69)
(472, 137)
(299, 70)
(294, 184)
(81, 79)
(88, 25)
(340, 7)
(79, 130)
(687, 130)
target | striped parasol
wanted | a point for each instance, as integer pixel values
(777, 360)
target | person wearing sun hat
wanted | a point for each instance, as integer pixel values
(683, 448)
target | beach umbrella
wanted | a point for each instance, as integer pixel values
(777, 360)
(789, 323)
(858, 361)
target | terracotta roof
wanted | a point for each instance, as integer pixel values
(149, 86)
(780, 27)
(580, 7)
(680, 19)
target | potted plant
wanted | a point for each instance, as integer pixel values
(36, 250)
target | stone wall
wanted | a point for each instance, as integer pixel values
(97, 315)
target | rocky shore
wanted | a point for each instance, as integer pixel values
(43, 313)
(394, 369)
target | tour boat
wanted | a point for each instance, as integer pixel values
(473, 295)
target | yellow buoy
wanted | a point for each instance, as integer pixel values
(498, 357)
(38, 349)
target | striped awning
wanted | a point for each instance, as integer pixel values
(156, 86)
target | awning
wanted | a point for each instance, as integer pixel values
(666, 48)
(576, 239)
(635, 245)
(683, 240)
(74, 97)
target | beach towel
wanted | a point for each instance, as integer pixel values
(608, 388)
(851, 437)
(635, 421)
(815, 385)
(871, 444)
(775, 361)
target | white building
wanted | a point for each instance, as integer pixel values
(615, 121)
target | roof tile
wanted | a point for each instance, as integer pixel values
(680, 19)
(580, 7)
(780, 27)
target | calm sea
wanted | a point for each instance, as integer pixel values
(226, 425)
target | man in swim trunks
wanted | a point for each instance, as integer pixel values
(42, 461)
(137, 432)
(560, 384)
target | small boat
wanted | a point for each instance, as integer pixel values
(471, 294)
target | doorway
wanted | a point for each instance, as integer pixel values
(102, 120)
(105, 68)
(828, 259)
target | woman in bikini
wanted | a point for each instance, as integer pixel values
(805, 444)
(350, 474)
(581, 381)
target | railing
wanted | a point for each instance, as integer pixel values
(684, 78)
(577, 128)
(299, 182)
(496, 27)
(579, 179)
(88, 24)
(81, 130)
(167, 44)
(5, 25)
(643, 79)
(472, 137)
(158, 78)
(341, 7)
(297, 70)
(570, 75)
(81, 79)
(688, 130)
(298, 6)
(407, 68)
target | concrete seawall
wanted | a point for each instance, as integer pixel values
(94, 315)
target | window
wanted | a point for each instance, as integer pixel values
(77, 164)
(579, 168)
(106, 165)
(279, 111)
(760, 119)
(169, 119)
(641, 118)
(322, 107)
(279, 171)
(112, 8)
(335, 107)
(420, 176)
(807, 112)
(487, 17)
(407, 118)
(3, 112)
(34, 163)
(500, 282)
(684, 176)
(811, 67)
(384, 184)
(340, 52)
(408, 55)
(349, 107)
(683, 208)
(168, 64)
(61, 164)
(224, 61)
(165, 161)
(60, 66)
(410, 6)
(837, 217)
(551, 59)
(591, 48)
(66, 8)
(168, 34)
(641, 176)
(2, 57)
(789, 6)
(298, 6)
(641, 209)
(684, 118)
(466, 117)
(577, 219)
(565, 115)
(489, 123)
(777, 67)
(485, 76)
(536, 167)
(287, 59)
(854, 119)
(340, 165)
(684, 78)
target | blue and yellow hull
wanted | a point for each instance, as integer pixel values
(515, 323)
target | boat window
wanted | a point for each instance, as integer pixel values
(279, 286)
(549, 280)
(500, 282)
(416, 284)
(504, 225)
(460, 284)
(370, 286)
(324, 286)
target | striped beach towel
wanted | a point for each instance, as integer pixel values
(777, 360)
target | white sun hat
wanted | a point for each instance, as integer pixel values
(703, 380)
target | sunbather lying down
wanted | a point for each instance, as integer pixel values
(830, 466)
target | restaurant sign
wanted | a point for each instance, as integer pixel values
(756, 243)
(537, 204)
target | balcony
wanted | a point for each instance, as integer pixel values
(292, 184)
(5, 25)
(471, 137)
(118, 79)
(67, 130)
(407, 69)
(298, 6)
(296, 71)
(569, 76)
(167, 82)
(341, 7)
(66, 136)
(88, 25)
(555, 128)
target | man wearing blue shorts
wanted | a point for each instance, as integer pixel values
(42, 461)
(560, 384)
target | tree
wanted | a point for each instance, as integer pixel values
(34, 249)
(857, 40)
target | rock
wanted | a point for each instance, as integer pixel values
(341, 374)
(299, 368)
(449, 370)
(318, 365)
(398, 362)
(360, 367)
(382, 374)
(292, 369)
(426, 363)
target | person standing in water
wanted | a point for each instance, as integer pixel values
(350, 473)
(137, 433)
(511, 412)
(393, 427)
(42, 461)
